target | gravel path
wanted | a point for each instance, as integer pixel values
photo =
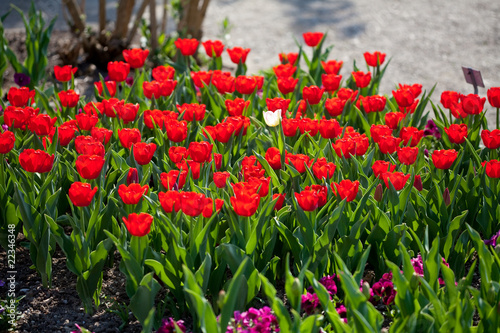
(428, 41)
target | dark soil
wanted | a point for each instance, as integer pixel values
(59, 308)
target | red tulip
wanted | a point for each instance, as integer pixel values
(323, 169)
(284, 70)
(361, 79)
(273, 157)
(346, 189)
(101, 134)
(238, 54)
(86, 122)
(187, 46)
(448, 98)
(224, 131)
(281, 199)
(177, 154)
(308, 200)
(290, 126)
(135, 57)
(344, 147)
(329, 128)
(208, 209)
(378, 131)
(245, 85)
(110, 86)
(132, 194)
(170, 201)
(36, 160)
(64, 73)
(118, 70)
(138, 224)
(154, 117)
(262, 183)
(173, 179)
(224, 84)
(129, 136)
(41, 124)
(278, 103)
(7, 140)
(456, 133)
(443, 159)
(407, 155)
(398, 179)
(492, 168)
(87, 145)
(404, 97)
(346, 94)
(491, 139)
(220, 178)
(237, 106)
(69, 98)
(81, 194)
(109, 106)
(192, 203)
(287, 85)
(321, 191)
(494, 97)
(213, 48)
(332, 66)
(201, 78)
(309, 125)
(392, 119)
(388, 144)
(334, 106)
(192, 111)
(416, 88)
(299, 161)
(373, 103)
(217, 161)
(163, 73)
(18, 117)
(143, 152)
(381, 167)
(200, 151)
(312, 39)
(89, 166)
(312, 94)
(176, 130)
(472, 104)
(374, 59)
(288, 58)
(331, 82)
(411, 135)
(245, 203)
(21, 97)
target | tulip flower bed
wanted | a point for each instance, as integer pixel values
(218, 187)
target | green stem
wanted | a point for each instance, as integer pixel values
(2, 175)
(498, 118)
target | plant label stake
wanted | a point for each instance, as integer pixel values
(473, 77)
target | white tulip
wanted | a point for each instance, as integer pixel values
(271, 118)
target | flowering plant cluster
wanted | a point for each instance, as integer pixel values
(193, 174)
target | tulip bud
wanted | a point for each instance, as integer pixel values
(379, 192)
(132, 176)
(426, 153)
(221, 298)
(296, 288)
(271, 118)
(446, 197)
(365, 288)
(417, 183)
(414, 281)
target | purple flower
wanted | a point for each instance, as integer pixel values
(168, 325)
(329, 283)
(129, 80)
(254, 320)
(342, 311)
(493, 240)
(22, 80)
(5, 127)
(310, 302)
(2, 283)
(432, 129)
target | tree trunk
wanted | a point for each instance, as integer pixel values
(123, 14)
(192, 18)
(153, 25)
(76, 15)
